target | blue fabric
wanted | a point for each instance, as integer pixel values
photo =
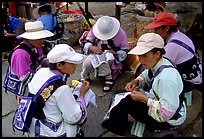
(49, 21)
(183, 45)
(14, 23)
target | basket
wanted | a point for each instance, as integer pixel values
(73, 24)
(131, 60)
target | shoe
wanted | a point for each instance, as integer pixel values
(108, 85)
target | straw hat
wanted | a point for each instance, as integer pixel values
(35, 11)
(106, 27)
(35, 30)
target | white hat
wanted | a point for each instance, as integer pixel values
(35, 30)
(35, 11)
(64, 52)
(106, 27)
(147, 42)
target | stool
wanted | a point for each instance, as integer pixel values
(171, 132)
(188, 96)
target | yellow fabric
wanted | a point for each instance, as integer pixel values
(154, 113)
(75, 82)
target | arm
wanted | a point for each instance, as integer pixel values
(139, 82)
(73, 111)
(164, 108)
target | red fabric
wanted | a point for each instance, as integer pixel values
(72, 12)
(57, 4)
(164, 18)
(12, 8)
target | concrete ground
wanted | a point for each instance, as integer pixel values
(192, 127)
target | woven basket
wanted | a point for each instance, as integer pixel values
(73, 28)
(131, 60)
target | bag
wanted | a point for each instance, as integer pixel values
(58, 30)
(82, 39)
(45, 128)
(14, 85)
(188, 69)
(11, 80)
(26, 108)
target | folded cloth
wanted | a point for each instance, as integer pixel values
(89, 96)
(137, 129)
(97, 60)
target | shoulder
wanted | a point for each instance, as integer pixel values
(20, 52)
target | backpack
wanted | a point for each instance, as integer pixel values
(32, 105)
(11, 80)
(58, 30)
(190, 68)
(82, 40)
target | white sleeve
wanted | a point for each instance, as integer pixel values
(71, 111)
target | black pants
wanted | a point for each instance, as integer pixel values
(118, 119)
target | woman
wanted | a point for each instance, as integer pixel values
(45, 13)
(158, 106)
(179, 49)
(26, 58)
(61, 106)
(106, 36)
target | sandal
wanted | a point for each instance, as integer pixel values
(108, 85)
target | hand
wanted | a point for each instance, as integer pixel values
(138, 96)
(84, 88)
(131, 85)
(95, 50)
(9, 35)
(19, 99)
(112, 52)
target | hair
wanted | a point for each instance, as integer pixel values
(172, 28)
(162, 51)
(45, 8)
(53, 66)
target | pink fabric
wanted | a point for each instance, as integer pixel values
(20, 62)
(166, 114)
(176, 53)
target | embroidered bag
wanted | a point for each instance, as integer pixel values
(46, 128)
(11, 80)
(190, 68)
(26, 108)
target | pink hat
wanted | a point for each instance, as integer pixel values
(164, 18)
(146, 43)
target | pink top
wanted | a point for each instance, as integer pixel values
(20, 61)
(178, 54)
